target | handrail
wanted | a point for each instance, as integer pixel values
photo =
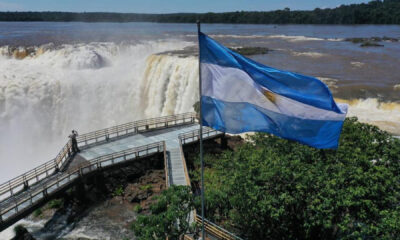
(166, 167)
(216, 230)
(194, 135)
(23, 181)
(67, 177)
(17, 184)
(184, 163)
(147, 123)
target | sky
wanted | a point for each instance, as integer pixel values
(166, 6)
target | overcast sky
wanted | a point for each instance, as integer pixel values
(166, 6)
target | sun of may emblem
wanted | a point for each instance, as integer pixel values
(270, 95)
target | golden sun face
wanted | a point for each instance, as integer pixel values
(270, 95)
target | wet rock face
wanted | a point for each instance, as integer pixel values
(142, 192)
(21, 233)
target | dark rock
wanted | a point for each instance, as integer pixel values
(251, 50)
(372, 41)
(22, 234)
(371, 44)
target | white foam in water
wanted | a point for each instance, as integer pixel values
(330, 82)
(84, 233)
(357, 64)
(308, 54)
(385, 115)
(303, 38)
(30, 225)
(280, 36)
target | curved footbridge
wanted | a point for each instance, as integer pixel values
(101, 150)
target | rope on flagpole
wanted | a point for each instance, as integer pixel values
(201, 141)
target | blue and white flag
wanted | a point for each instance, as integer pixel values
(240, 95)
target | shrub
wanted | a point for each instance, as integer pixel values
(56, 203)
(37, 212)
(169, 215)
(147, 188)
(119, 191)
(138, 209)
(271, 188)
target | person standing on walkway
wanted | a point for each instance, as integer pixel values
(73, 137)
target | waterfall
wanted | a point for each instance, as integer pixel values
(169, 85)
(45, 93)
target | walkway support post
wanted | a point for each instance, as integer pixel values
(201, 139)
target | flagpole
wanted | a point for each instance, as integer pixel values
(201, 141)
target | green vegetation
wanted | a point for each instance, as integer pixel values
(147, 188)
(374, 12)
(169, 215)
(138, 209)
(119, 191)
(56, 203)
(271, 188)
(251, 50)
(38, 212)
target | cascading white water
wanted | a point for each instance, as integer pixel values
(169, 85)
(84, 87)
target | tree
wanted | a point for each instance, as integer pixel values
(169, 216)
(375, 12)
(271, 188)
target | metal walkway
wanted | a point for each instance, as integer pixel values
(100, 150)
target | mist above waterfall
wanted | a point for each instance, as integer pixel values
(45, 95)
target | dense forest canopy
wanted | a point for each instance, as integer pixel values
(374, 12)
(271, 188)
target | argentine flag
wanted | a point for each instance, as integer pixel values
(240, 95)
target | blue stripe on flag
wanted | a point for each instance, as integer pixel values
(245, 117)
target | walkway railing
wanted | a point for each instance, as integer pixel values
(189, 137)
(24, 181)
(193, 136)
(135, 127)
(166, 168)
(18, 205)
(20, 183)
(217, 231)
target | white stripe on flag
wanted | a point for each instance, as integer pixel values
(234, 85)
